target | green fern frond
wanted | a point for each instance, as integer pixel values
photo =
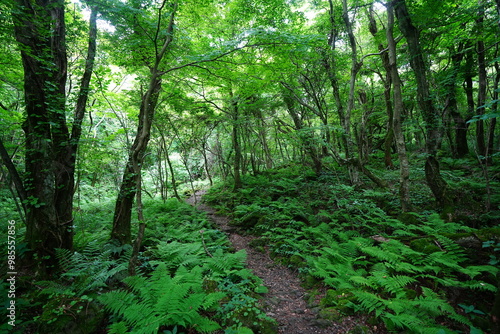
(177, 254)
(370, 302)
(473, 271)
(392, 283)
(163, 300)
(477, 285)
(382, 254)
(452, 248)
(223, 263)
(118, 328)
(64, 257)
(406, 321)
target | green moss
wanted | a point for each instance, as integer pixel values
(359, 329)
(331, 314)
(259, 242)
(309, 281)
(297, 261)
(424, 245)
(336, 298)
(408, 218)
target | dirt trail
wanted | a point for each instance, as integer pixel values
(285, 299)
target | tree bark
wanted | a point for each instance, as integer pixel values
(482, 84)
(123, 208)
(404, 166)
(430, 114)
(236, 144)
(121, 230)
(14, 175)
(460, 147)
(51, 149)
(387, 80)
(305, 138)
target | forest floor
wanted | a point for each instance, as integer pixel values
(285, 301)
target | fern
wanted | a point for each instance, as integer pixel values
(370, 302)
(221, 264)
(91, 269)
(163, 300)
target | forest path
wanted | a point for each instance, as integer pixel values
(285, 299)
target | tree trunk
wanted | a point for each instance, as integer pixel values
(460, 147)
(205, 161)
(172, 175)
(430, 114)
(387, 80)
(305, 137)
(50, 147)
(344, 115)
(236, 145)
(482, 84)
(491, 131)
(14, 175)
(128, 188)
(461, 134)
(404, 166)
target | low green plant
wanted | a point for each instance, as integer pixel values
(401, 270)
(162, 300)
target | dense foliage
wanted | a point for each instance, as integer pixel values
(358, 139)
(414, 272)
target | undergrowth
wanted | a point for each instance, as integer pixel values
(415, 273)
(188, 281)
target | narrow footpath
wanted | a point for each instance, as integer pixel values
(285, 299)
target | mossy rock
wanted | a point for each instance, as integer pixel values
(248, 221)
(260, 325)
(345, 306)
(408, 218)
(359, 329)
(309, 282)
(492, 233)
(310, 299)
(259, 242)
(87, 321)
(424, 245)
(331, 314)
(254, 319)
(297, 261)
(336, 298)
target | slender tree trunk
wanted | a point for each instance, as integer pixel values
(387, 80)
(430, 114)
(460, 146)
(355, 67)
(468, 85)
(128, 188)
(132, 263)
(482, 84)
(235, 137)
(263, 139)
(205, 161)
(161, 177)
(14, 175)
(344, 115)
(404, 166)
(305, 137)
(491, 131)
(172, 175)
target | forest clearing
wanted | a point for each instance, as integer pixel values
(250, 166)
